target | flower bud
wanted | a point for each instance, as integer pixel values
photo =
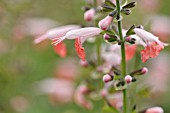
(128, 39)
(105, 23)
(128, 79)
(130, 31)
(107, 78)
(144, 70)
(88, 15)
(106, 36)
(84, 63)
(154, 110)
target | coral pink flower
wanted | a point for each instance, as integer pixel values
(130, 51)
(60, 49)
(80, 35)
(79, 49)
(89, 15)
(105, 23)
(155, 110)
(152, 50)
(153, 44)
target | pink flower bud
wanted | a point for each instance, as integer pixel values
(144, 70)
(107, 78)
(84, 63)
(128, 79)
(128, 39)
(154, 110)
(88, 15)
(106, 36)
(105, 23)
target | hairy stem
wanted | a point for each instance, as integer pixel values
(123, 55)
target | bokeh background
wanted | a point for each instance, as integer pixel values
(24, 65)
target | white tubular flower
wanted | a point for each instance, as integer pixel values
(80, 35)
(56, 32)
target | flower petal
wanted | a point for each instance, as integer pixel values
(130, 51)
(79, 49)
(60, 49)
(152, 50)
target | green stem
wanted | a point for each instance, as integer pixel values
(123, 55)
(98, 40)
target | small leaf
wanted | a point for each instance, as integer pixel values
(107, 8)
(109, 3)
(130, 31)
(130, 5)
(107, 32)
(113, 14)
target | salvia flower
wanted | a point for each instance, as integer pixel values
(80, 35)
(105, 23)
(56, 32)
(60, 49)
(155, 110)
(153, 44)
(89, 15)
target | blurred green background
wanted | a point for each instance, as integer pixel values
(22, 63)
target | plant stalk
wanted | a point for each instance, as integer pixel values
(123, 54)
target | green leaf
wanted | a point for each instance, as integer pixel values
(130, 5)
(109, 3)
(106, 8)
(107, 32)
(130, 31)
